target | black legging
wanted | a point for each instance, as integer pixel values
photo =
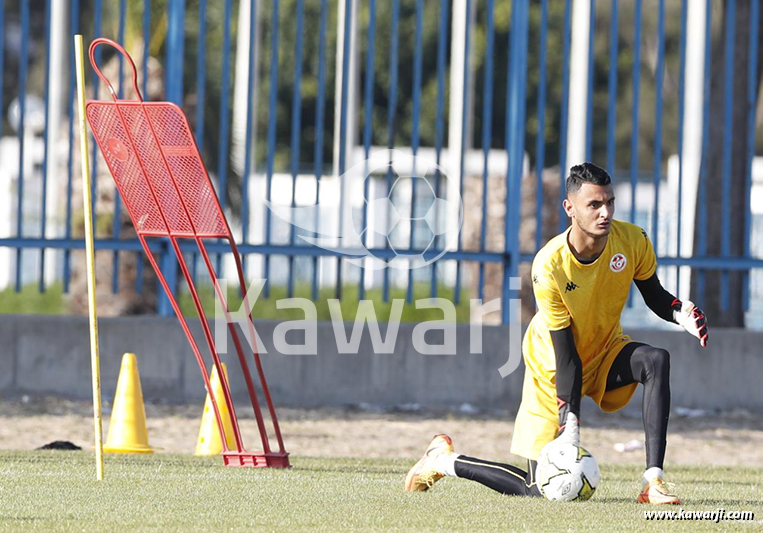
(641, 363)
(636, 363)
(506, 479)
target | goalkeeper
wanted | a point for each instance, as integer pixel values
(575, 346)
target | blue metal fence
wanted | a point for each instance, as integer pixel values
(371, 104)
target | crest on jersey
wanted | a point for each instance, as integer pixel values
(618, 262)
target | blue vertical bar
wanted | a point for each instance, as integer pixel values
(343, 131)
(117, 221)
(139, 260)
(368, 101)
(146, 43)
(175, 53)
(74, 25)
(22, 112)
(222, 154)
(201, 76)
(391, 112)
(515, 137)
(564, 113)
(464, 114)
(635, 109)
(752, 65)
(319, 129)
(272, 102)
(728, 101)
(249, 126)
(612, 86)
(97, 31)
(415, 136)
(591, 67)
(46, 137)
(540, 146)
(701, 223)
(442, 39)
(487, 113)
(296, 124)
(660, 75)
(681, 84)
(175, 50)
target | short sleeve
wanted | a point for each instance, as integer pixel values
(646, 263)
(548, 298)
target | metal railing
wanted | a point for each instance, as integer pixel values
(538, 86)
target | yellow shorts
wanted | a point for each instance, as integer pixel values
(538, 416)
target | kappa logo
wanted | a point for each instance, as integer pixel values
(618, 262)
(535, 279)
(570, 287)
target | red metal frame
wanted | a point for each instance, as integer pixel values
(160, 175)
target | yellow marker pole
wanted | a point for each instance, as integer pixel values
(90, 254)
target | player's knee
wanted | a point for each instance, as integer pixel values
(659, 361)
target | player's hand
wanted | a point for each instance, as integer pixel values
(691, 318)
(570, 432)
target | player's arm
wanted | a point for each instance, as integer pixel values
(669, 308)
(569, 368)
(569, 379)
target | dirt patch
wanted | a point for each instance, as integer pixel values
(714, 439)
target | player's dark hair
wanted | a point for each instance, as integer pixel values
(586, 173)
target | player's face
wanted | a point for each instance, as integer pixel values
(592, 208)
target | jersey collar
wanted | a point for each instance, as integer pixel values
(575, 259)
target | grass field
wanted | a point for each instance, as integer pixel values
(57, 491)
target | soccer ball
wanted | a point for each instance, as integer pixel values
(567, 472)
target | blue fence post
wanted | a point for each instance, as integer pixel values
(319, 127)
(681, 108)
(636, 81)
(565, 106)
(343, 132)
(701, 221)
(368, 94)
(46, 136)
(222, 156)
(442, 38)
(23, 67)
(391, 113)
(296, 126)
(174, 85)
(515, 137)
(487, 126)
(248, 152)
(540, 146)
(728, 101)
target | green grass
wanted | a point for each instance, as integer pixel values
(57, 491)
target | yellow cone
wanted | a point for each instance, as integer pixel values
(127, 430)
(209, 442)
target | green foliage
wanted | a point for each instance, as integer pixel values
(182, 493)
(266, 308)
(31, 301)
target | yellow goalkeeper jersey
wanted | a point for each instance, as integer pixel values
(590, 297)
